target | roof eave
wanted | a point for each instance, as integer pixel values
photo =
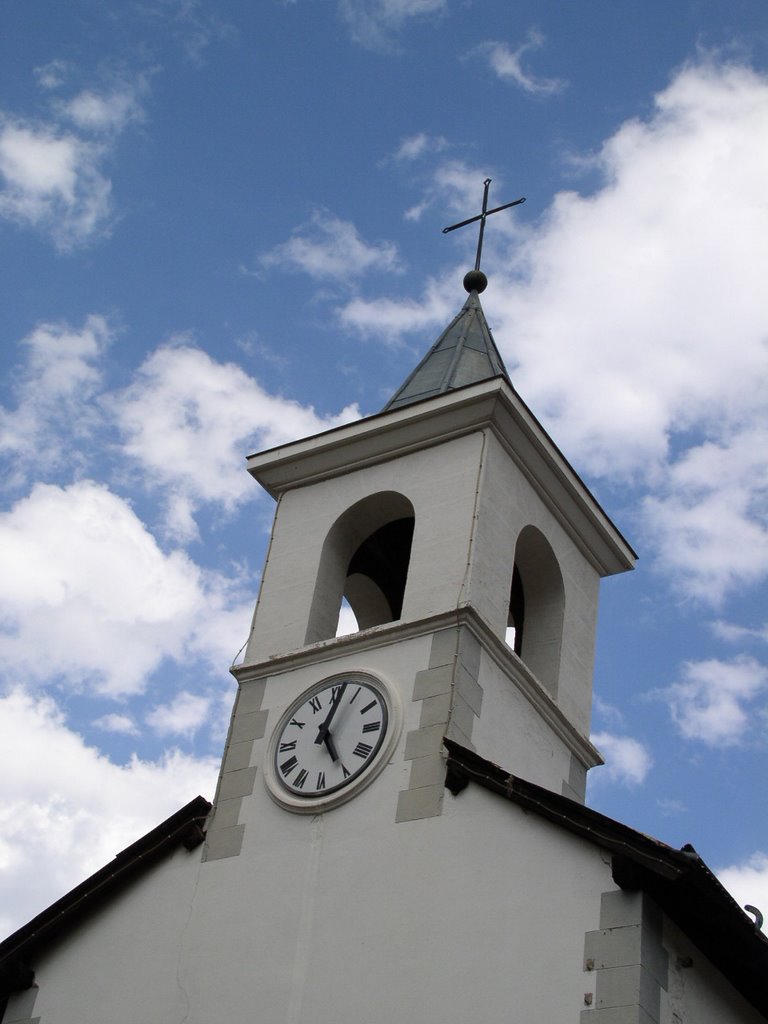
(183, 828)
(677, 880)
(488, 404)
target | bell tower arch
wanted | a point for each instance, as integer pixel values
(364, 559)
(537, 607)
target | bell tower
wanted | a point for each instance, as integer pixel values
(470, 553)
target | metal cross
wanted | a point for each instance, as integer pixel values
(482, 217)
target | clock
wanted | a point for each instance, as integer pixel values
(332, 741)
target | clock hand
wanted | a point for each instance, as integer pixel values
(331, 746)
(322, 732)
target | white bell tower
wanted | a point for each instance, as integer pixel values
(452, 524)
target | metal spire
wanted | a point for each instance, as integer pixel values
(476, 280)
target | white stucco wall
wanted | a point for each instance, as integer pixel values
(509, 504)
(345, 918)
(479, 914)
(696, 992)
(440, 484)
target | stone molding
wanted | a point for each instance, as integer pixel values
(394, 632)
(451, 698)
(224, 836)
(626, 961)
(20, 1007)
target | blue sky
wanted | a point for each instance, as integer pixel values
(221, 226)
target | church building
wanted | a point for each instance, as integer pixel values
(399, 832)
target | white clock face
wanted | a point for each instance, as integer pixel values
(332, 741)
(330, 737)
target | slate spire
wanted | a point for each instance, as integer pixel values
(465, 353)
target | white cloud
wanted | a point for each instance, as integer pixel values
(748, 883)
(734, 633)
(328, 247)
(188, 421)
(415, 146)
(609, 714)
(457, 188)
(508, 65)
(710, 516)
(52, 180)
(55, 395)
(116, 723)
(714, 702)
(375, 23)
(627, 761)
(182, 717)
(103, 112)
(389, 319)
(53, 74)
(680, 217)
(68, 809)
(88, 596)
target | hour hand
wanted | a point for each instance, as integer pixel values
(331, 746)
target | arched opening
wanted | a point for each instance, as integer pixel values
(516, 617)
(376, 574)
(536, 607)
(363, 567)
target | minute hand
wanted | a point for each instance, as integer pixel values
(322, 731)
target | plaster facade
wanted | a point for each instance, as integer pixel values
(342, 917)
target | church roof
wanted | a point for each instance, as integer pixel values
(184, 828)
(678, 881)
(465, 353)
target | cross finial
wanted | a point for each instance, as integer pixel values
(476, 280)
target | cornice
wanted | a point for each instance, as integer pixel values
(491, 405)
(390, 633)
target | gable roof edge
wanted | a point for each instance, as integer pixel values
(183, 828)
(677, 880)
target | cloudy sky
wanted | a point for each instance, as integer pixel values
(221, 225)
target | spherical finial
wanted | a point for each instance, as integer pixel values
(475, 281)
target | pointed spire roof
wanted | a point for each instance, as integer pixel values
(465, 353)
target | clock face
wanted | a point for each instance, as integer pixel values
(328, 738)
(332, 742)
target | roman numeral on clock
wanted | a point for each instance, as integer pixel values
(300, 779)
(315, 704)
(295, 721)
(290, 745)
(320, 784)
(362, 749)
(368, 707)
(372, 727)
(287, 766)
